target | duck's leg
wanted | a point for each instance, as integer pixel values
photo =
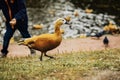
(48, 56)
(41, 56)
(32, 51)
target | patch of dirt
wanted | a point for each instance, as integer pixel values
(69, 45)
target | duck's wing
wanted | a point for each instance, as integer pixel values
(45, 37)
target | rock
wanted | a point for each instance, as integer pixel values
(87, 23)
(3, 31)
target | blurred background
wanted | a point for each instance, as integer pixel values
(104, 6)
(86, 16)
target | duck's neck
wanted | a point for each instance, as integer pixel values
(57, 30)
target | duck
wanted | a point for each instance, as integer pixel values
(88, 10)
(46, 42)
(68, 18)
(111, 28)
(38, 26)
(76, 13)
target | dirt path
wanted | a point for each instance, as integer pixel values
(69, 45)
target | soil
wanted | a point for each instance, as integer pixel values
(69, 45)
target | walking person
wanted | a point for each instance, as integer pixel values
(16, 18)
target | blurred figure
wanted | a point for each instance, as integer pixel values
(16, 18)
(99, 34)
(106, 41)
(111, 28)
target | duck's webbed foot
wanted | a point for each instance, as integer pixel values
(48, 56)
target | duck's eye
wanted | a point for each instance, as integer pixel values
(63, 20)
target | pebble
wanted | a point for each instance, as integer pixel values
(85, 23)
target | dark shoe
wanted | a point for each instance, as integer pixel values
(2, 55)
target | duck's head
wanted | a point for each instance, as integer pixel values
(68, 18)
(60, 21)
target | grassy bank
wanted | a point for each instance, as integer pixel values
(72, 66)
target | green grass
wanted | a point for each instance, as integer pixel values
(71, 66)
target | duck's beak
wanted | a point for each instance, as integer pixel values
(65, 22)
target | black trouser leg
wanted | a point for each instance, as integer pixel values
(7, 36)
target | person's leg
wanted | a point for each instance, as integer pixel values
(23, 28)
(7, 36)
